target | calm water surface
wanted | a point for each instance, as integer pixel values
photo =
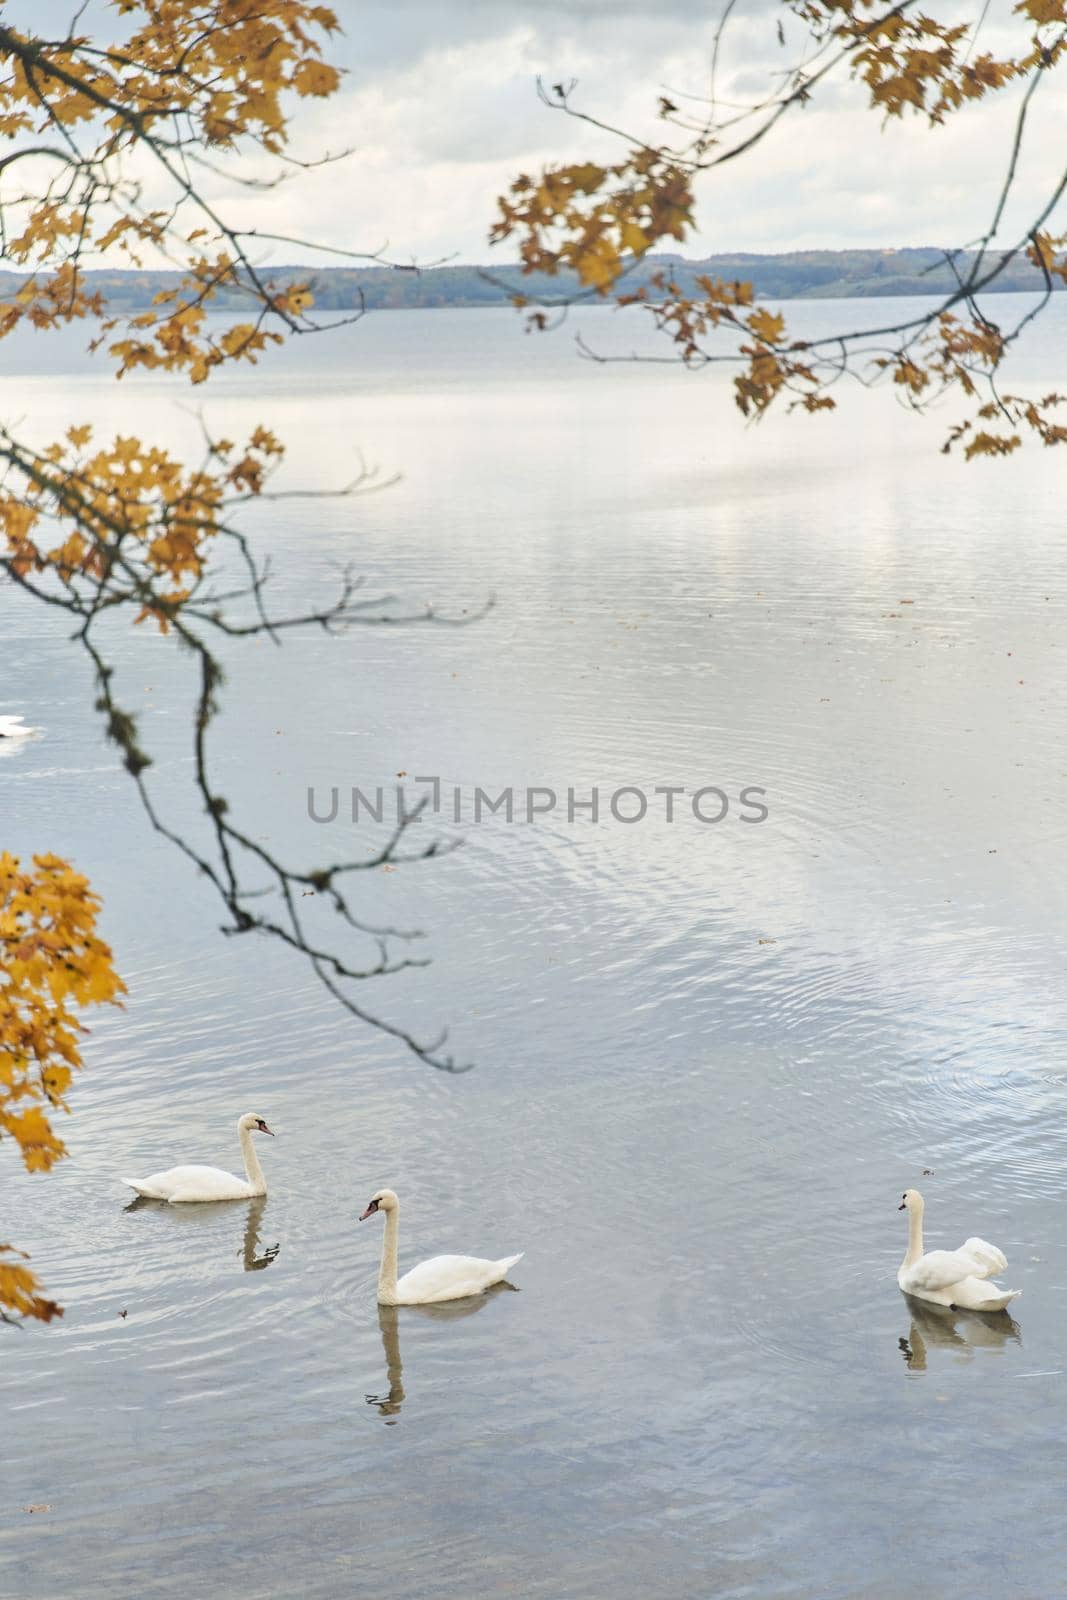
(707, 1058)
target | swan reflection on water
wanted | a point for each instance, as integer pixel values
(15, 735)
(196, 1215)
(962, 1332)
(389, 1326)
(389, 1404)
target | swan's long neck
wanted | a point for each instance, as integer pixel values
(253, 1170)
(915, 1238)
(387, 1270)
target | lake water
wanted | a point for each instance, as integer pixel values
(707, 1057)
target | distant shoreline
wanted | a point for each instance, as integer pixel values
(790, 275)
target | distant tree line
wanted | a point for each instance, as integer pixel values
(793, 275)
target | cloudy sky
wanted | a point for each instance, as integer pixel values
(440, 108)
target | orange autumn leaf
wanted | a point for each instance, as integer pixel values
(769, 326)
(127, 512)
(221, 69)
(315, 78)
(53, 966)
(125, 524)
(19, 1289)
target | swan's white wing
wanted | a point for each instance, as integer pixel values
(149, 1186)
(190, 1183)
(940, 1269)
(450, 1278)
(988, 1259)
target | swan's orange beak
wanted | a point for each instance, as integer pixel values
(261, 1127)
(902, 1206)
(371, 1209)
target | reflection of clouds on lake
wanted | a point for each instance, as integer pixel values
(609, 985)
(964, 1333)
(389, 1404)
(203, 1213)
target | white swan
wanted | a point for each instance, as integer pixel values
(951, 1277)
(180, 1184)
(15, 728)
(440, 1278)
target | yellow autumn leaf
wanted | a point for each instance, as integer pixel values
(315, 78)
(634, 238)
(767, 325)
(52, 965)
(1044, 11)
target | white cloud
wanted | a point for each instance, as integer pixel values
(445, 112)
(441, 106)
